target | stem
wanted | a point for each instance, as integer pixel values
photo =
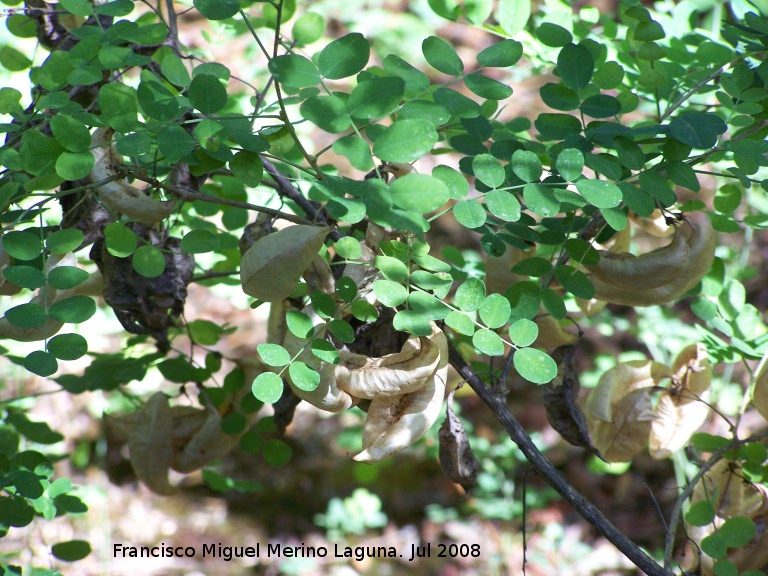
(584, 507)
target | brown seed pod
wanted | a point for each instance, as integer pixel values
(700, 240)
(655, 224)
(117, 195)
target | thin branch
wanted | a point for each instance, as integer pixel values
(584, 507)
(190, 196)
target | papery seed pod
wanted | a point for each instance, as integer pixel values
(621, 380)
(497, 270)
(393, 374)
(627, 433)
(151, 444)
(272, 266)
(700, 239)
(648, 270)
(760, 395)
(394, 423)
(117, 195)
(551, 332)
(655, 224)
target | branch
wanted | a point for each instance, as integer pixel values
(285, 188)
(584, 507)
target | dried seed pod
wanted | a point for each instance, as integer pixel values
(272, 266)
(117, 195)
(560, 400)
(458, 462)
(648, 270)
(497, 270)
(627, 432)
(394, 423)
(682, 408)
(655, 224)
(551, 332)
(760, 395)
(393, 374)
(700, 239)
(621, 380)
(151, 444)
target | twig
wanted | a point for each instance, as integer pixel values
(584, 507)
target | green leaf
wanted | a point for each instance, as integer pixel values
(64, 240)
(303, 377)
(25, 276)
(512, 15)
(120, 240)
(534, 365)
(600, 106)
(342, 330)
(523, 332)
(697, 129)
(29, 315)
(457, 104)
(501, 55)
(459, 322)
(488, 342)
(392, 268)
(504, 205)
(175, 71)
(328, 113)
(376, 97)
(656, 185)
(273, 354)
(470, 295)
(199, 242)
(148, 261)
(469, 213)
(608, 75)
(526, 166)
(294, 70)
(325, 350)
(728, 198)
(39, 153)
(534, 266)
(429, 306)
(217, 9)
(247, 167)
(495, 311)
(349, 248)
(487, 87)
(119, 106)
(13, 60)
(575, 282)
(683, 175)
(175, 143)
(419, 193)
(575, 66)
(267, 387)
(540, 199)
(458, 187)
(737, 531)
(22, 245)
(158, 102)
(309, 28)
(72, 134)
(41, 363)
(557, 126)
(207, 94)
(441, 56)
(344, 57)
(559, 97)
(570, 163)
(600, 193)
(389, 293)
(233, 424)
(413, 322)
(488, 170)
(553, 35)
(73, 310)
(364, 311)
(68, 346)
(277, 452)
(405, 141)
(74, 165)
(700, 514)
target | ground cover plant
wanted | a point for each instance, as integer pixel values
(323, 182)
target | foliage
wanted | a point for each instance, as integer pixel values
(174, 169)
